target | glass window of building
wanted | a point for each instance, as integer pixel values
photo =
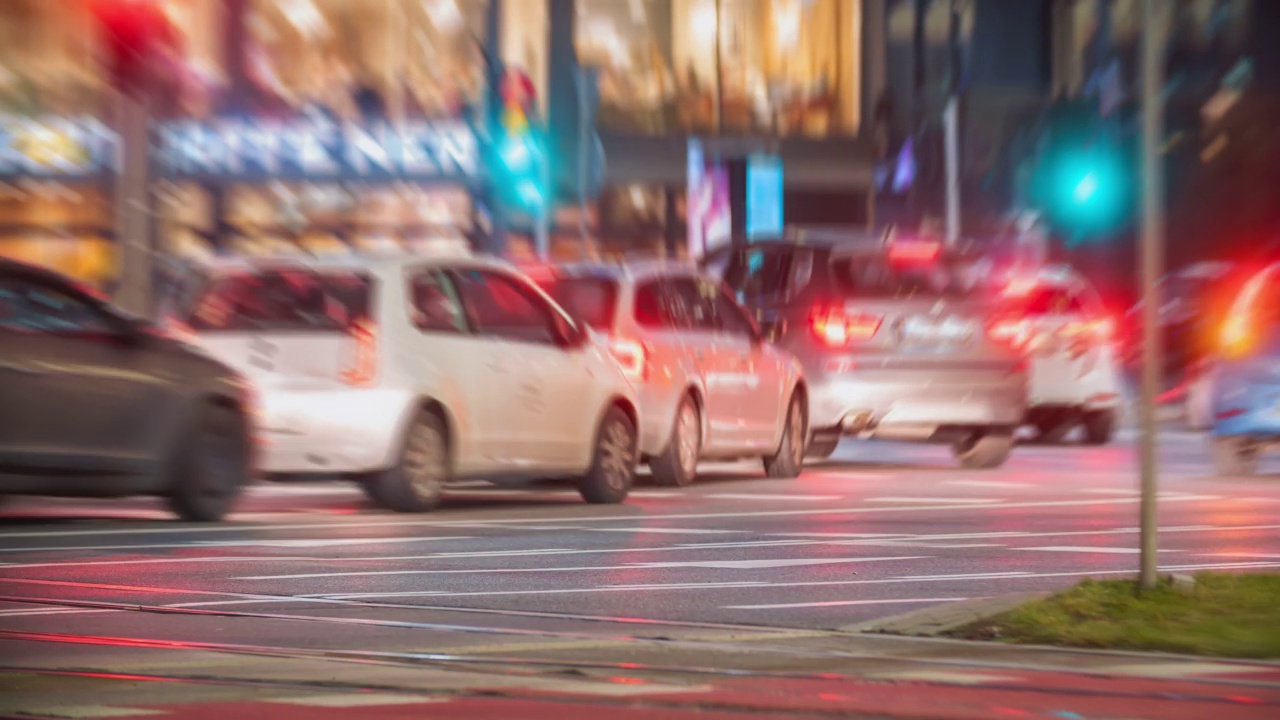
(356, 58)
(789, 67)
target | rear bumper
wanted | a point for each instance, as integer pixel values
(336, 431)
(914, 407)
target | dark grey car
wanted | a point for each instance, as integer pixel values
(96, 403)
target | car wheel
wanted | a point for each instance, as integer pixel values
(1099, 427)
(789, 459)
(677, 466)
(1234, 457)
(985, 450)
(613, 464)
(210, 466)
(821, 448)
(416, 483)
(1053, 430)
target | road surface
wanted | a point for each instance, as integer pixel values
(736, 572)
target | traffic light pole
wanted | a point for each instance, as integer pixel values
(1152, 249)
(133, 223)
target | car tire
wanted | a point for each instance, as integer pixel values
(985, 450)
(1053, 430)
(677, 466)
(821, 447)
(789, 459)
(416, 483)
(613, 460)
(1234, 457)
(210, 465)
(1099, 427)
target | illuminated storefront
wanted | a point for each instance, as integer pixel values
(777, 67)
(55, 153)
(330, 125)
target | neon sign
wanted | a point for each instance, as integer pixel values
(55, 146)
(311, 149)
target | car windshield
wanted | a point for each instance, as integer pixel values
(875, 277)
(281, 299)
(590, 300)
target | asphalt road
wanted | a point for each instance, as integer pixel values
(879, 530)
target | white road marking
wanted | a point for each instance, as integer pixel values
(935, 500)
(1088, 549)
(324, 542)
(774, 498)
(973, 576)
(1263, 556)
(868, 536)
(92, 712)
(841, 603)
(668, 531)
(541, 523)
(943, 676)
(655, 494)
(354, 700)
(776, 563)
(158, 561)
(1185, 669)
(907, 543)
(1110, 491)
(812, 583)
(722, 564)
(987, 483)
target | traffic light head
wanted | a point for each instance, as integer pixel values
(1086, 191)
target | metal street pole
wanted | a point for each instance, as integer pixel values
(1152, 250)
(951, 125)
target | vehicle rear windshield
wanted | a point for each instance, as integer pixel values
(875, 277)
(281, 300)
(590, 300)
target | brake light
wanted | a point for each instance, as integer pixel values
(1238, 332)
(914, 251)
(1013, 332)
(1098, 330)
(632, 357)
(363, 370)
(837, 328)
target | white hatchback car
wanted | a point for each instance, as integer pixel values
(406, 372)
(1075, 368)
(710, 387)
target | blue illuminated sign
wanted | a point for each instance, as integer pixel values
(319, 150)
(55, 147)
(764, 196)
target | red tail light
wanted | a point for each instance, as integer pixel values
(837, 328)
(632, 356)
(914, 251)
(1014, 332)
(1097, 330)
(363, 370)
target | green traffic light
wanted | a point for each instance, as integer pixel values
(516, 154)
(1086, 188)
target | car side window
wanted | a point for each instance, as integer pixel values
(692, 303)
(434, 304)
(761, 275)
(730, 317)
(33, 307)
(500, 307)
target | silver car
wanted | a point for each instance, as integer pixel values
(708, 386)
(896, 342)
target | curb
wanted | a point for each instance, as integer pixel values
(939, 619)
